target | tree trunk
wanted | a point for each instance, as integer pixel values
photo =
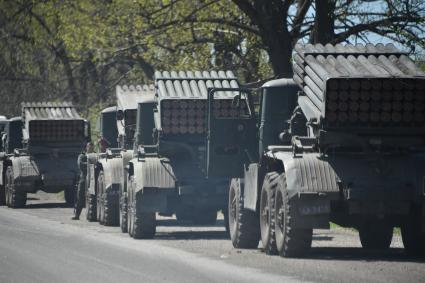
(280, 52)
(270, 16)
(72, 89)
(324, 22)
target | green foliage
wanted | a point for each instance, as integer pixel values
(79, 50)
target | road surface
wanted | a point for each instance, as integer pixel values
(41, 244)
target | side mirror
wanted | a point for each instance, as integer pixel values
(236, 101)
(120, 115)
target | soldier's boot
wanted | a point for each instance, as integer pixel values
(77, 213)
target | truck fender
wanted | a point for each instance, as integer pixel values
(113, 172)
(152, 172)
(307, 173)
(25, 172)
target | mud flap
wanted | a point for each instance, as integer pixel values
(153, 200)
(312, 211)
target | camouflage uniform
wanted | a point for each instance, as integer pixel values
(81, 191)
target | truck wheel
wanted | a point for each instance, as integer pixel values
(123, 213)
(16, 199)
(267, 203)
(413, 237)
(144, 225)
(244, 224)
(109, 204)
(91, 207)
(111, 213)
(2, 195)
(290, 242)
(376, 235)
(204, 216)
(70, 194)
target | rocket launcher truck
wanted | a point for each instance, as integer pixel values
(168, 173)
(42, 148)
(343, 142)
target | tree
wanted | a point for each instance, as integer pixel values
(79, 50)
(281, 24)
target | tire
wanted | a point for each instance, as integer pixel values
(144, 225)
(290, 242)
(140, 225)
(70, 195)
(2, 195)
(111, 213)
(376, 235)
(109, 209)
(267, 202)
(123, 213)
(91, 207)
(413, 237)
(244, 226)
(109, 204)
(14, 198)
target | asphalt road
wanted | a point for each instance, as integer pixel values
(41, 244)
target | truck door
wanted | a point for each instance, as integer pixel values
(231, 132)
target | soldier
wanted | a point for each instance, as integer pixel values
(103, 144)
(81, 192)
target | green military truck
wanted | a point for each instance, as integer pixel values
(108, 170)
(344, 141)
(107, 127)
(42, 147)
(168, 174)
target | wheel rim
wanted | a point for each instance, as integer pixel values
(233, 208)
(265, 210)
(279, 219)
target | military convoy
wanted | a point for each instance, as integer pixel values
(343, 142)
(40, 150)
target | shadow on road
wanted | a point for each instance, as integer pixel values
(177, 223)
(335, 253)
(48, 205)
(192, 235)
